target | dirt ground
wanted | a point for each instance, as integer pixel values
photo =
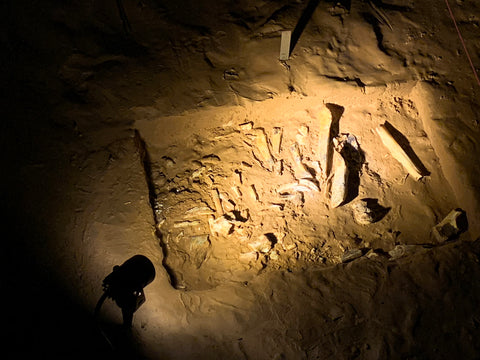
(280, 223)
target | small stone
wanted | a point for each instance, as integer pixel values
(453, 225)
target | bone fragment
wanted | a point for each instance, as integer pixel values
(216, 201)
(183, 224)
(199, 211)
(454, 224)
(276, 140)
(220, 226)
(262, 152)
(299, 168)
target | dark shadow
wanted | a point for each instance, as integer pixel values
(405, 144)
(354, 159)
(302, 22)
(378, 211)
(375, 23)
(127, 28)
(337, 112)
(347, 4)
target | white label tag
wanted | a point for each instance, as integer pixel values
(285, 45)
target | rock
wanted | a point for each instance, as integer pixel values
(368, 211)
(453, 225)
(350, 255)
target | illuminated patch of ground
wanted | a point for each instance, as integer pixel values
(244, 189)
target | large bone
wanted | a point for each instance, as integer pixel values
(262, 152)
(325, 141)
(339, 188)
(398, 153)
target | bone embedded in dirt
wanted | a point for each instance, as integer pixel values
(221, 226)
(302, 134)
(453, 225)
(199, 211)
(262, 152)
(339, 186)
(261, 244)
(276, 140)
(217, 202)
(187, 223)
(308, 183)
(324, 142)
(351, 255)
(252, 191)
(299, 168)
(398, 152)
(246, 126)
